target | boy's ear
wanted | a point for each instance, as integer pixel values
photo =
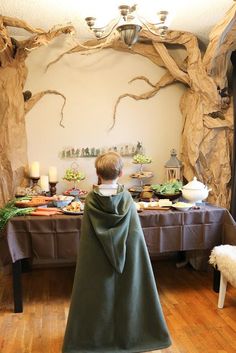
(121, 173)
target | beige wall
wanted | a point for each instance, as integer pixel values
(91, 84)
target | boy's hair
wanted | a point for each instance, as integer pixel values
(109, 165)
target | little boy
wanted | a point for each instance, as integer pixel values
(115, 306)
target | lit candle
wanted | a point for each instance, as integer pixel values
(52, 174)
(34, 170)
(44, 183)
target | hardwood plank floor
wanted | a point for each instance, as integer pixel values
(188, 301)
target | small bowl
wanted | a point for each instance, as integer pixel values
(182, 206)
(63, 203)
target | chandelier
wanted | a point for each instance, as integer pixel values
(128, 24)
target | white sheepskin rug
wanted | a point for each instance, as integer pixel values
(224, 256)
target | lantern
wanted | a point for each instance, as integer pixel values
(173, 167)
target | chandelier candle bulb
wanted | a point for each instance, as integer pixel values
(44, 183)
(52, 174)
(34, 170)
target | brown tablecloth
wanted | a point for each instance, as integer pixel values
(57, 237)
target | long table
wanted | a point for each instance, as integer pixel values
(57, 237)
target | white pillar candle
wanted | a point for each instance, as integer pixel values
(52, 174)
(44, 183)
(34, 170)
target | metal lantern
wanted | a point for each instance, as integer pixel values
(173, 167)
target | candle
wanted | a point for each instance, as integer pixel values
(34, 170)
(52, 174)
(44, 183)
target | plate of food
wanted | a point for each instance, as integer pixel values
(33, 201)
(75, 208)
(76, 192)
(182, 206)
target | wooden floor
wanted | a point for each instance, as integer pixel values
(189, 305)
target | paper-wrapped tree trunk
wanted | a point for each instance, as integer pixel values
(13, 73)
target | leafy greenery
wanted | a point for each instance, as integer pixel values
(10, 210)
(170, 187)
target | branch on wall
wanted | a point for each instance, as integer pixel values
(36, 97)
(93, 46)
(17, 23)
(42, 39)
(166, 80)
(199, 81)
(144, 79)
(87, 48)
(171, 65)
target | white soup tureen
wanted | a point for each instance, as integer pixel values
(195, 191)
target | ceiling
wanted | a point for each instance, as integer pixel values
(196, 16)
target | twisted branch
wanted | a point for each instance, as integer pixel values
(35, 98)
(166, 80)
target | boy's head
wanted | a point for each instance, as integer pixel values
(109, 166)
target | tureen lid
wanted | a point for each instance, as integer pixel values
(194, 185)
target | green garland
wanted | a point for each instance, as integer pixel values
(10, 210)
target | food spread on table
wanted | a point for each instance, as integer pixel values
(45, 211)
(153, 205)
(32, 201)
(74, 207)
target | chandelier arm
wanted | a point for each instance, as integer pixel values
(151, 31)
(148, 24)
(145, 22)
(94, 29)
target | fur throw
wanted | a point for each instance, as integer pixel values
(224, 257)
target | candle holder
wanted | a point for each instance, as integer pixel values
(35, 181)
(52, 186)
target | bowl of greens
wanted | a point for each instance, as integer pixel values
(170, 190)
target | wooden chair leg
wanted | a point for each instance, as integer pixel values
(223, 286)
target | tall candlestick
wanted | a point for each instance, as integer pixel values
(44, 183)
(53, 189)
(34, 170)
(52, 172)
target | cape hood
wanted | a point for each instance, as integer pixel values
(110, 220)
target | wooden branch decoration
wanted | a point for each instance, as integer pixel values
(15, 22)
(42, 39)
(171, 65)
(166, 80)
(29, 104)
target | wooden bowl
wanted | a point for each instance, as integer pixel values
(168, 196)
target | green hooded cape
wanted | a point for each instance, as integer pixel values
(115, 306)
